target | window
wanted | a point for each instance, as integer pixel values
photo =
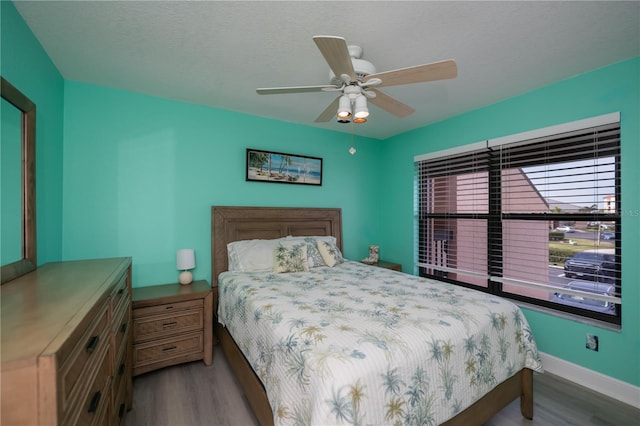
(533, 217)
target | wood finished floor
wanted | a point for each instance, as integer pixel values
(193, 394)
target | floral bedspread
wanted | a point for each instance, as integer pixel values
(357, 344)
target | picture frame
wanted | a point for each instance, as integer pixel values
(279, 167)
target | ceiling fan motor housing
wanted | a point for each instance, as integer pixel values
(361, 67)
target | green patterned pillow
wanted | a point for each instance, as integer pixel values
(313, 255)
(290, 257)
(330, 253)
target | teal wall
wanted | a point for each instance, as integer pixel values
(24, 63)
(141, 174)
(610, 89)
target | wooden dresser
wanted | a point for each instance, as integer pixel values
(66, 344)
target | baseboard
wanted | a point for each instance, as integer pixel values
(614, 388)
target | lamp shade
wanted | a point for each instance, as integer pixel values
(361, 107)
(344, 107)
(185, 259)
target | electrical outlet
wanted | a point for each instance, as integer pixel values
(592, 342)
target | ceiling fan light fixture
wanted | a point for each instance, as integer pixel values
(344, 108)
(361, 107)
(359, 120)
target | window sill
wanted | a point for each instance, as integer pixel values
(568, 316)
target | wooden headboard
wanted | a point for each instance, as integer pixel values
(230, 224)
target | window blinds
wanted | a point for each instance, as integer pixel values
(453, 200)
(490, 215)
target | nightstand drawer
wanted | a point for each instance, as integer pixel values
(166, 349)
(159, 326)
(167, 308)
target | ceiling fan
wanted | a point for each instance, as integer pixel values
(357, 81)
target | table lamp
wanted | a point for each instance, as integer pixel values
(186, 260)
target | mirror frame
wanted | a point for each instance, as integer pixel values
(28, 262)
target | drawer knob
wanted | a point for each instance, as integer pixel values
(170, 348)
(170, 324)
(95, 401)
(92, 343)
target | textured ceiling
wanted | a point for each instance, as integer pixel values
(217, 53)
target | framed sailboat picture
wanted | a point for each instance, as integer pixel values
(278, 167)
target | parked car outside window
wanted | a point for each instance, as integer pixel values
(607, 236)
(591, 265)
(585, 302)
(565, 228)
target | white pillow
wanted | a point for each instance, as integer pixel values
(290, 256)
(251, 255)
(330, 253)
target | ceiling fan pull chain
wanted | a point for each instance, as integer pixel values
(352, 150)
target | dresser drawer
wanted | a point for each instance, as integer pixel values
(167, 308)
(121, 327)
(166, 349)
(121, 368)
(76, 368)
(119, 403)
(95, 402)
(158, 326)
(120, 295)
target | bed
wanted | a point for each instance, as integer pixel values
(333, 375)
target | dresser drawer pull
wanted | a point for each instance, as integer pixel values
(170, 348)
(170, 324)
(121, 369)
(123, 327)
(169, 307)
(92, 343)
(95, 401)
(121, 411)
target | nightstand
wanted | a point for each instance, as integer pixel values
(387, 265)
(172, 324)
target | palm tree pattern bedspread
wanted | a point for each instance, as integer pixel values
(357, 344)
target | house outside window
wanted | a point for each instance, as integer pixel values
(530, 217)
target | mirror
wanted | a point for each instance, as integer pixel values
(18, 183)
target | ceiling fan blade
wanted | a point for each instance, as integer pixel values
(389, 104)
(298, 89)
(335, 52)
(441, 70)
(329, 112)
